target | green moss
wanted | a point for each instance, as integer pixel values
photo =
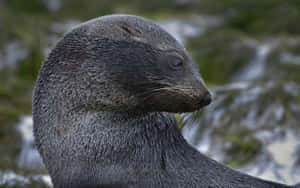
(29, 68)
(179, 121)
(35, 6)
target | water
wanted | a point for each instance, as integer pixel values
(280, 166)
(11, 179)
(283, 152)
(256, 67)
(29, 157)
(290, 58)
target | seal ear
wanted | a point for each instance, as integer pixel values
(125, 27)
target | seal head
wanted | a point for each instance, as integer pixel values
(125, 63)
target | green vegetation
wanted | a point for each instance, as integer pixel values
(283, 63)
(220, 53)
(242, 149)
(262, 17)
(179, 120)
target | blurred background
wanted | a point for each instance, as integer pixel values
(248, 52)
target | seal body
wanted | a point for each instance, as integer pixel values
(102, 110)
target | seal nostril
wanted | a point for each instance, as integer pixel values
(206, 100)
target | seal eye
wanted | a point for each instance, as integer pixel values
(175, 62)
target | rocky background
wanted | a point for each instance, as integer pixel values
(247, 51)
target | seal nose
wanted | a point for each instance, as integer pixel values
(206, 100)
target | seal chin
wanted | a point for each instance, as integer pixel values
(205, 101)
(196, 106)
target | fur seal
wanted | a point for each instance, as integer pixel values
(102, 111)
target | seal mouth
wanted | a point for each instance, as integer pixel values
(177, 99)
